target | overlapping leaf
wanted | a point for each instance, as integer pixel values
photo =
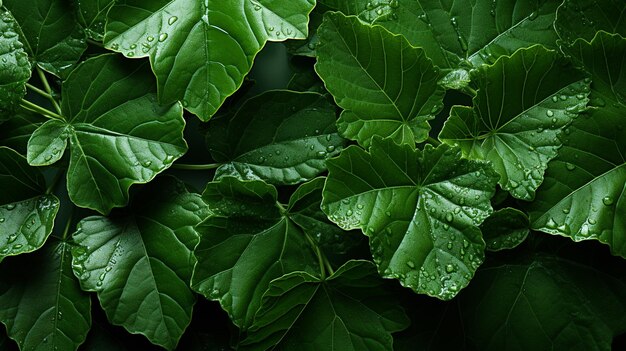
(421, 210)
(41, 303)
(201, 50)
(16, 131)
(140, 265)
(282, 137)
(26, 212)
(51, 34)
(505, 229)
(14, 65)
(461, 34)
(248, 242)
(583, 18)
(521, 107)
(91, 14)
(583, 195)
(351, 310)
(118, 134)
(385, 86)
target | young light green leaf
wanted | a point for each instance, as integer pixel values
(505, 229)
(26, 212)
(248, 242)
(584, 18)
(52, 37)
(351, 310)
(118, 134)
(41, 303)
(544, 303)
(583, 195)
(518, 129)
(200, 51)
(282, 137)
(91, 15)
(140, 265)
(461, 33)
(14, 65)
(421, 210)
(385, 86)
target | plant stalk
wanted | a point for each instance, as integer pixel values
(40, 110)
(46, 85)
(189, 167)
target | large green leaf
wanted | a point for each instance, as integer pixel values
(421, 210)
(583, 194)
(543, 303)
(140, 264)
(41, 303)
(52, 37)
(282, 137)
(91, 14)
(385, 86)
(118, 134)
(350, 311)
(26, 212)
(248, 242)
(14, 65)
(583, 18)
(521, 107)
(200, 51)
(461, 33)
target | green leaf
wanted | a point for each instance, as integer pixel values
(41, 303)
(385, 86)
(118, 134)
(461, 33)
(246, 244)
(583, 194)
(518, 129)
(583, 18)
(282, 137)
(201, 51)
(16, 131)
(52, 37)
(421, 210)
(91, 15)
(140, 264)
(26, 212)
(351, 310)
(505, 229)
(14, 65)
(544, 303)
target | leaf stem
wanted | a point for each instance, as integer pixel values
(67, 224)
(40, 110)
(433, 141)
(46, 86)
(95, 43)
(189, 167)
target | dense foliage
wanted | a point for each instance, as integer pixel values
(435, 175)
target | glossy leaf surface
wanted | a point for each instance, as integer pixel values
(300, 310)
(583, 18)
(583, 195)
(117, 132)
(41, 303)
(518, 129)
(421, 210)
(14, 65)
(201, 50)
(505, 229)
(91, 14)
(248, 242)
(140, 264)
(281, 137)
(385, 86)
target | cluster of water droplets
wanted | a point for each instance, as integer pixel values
(149, 41)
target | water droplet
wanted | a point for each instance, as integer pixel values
(449, 217)
(115, 46)
(607, 201)
(555, 98)
(321, 153)
(130, 54)
(549, 113)
(551, 224)
(449, 268)
(513, 184)
(163, 37)
(330, 148)
(150, 38)
(261, 159)
(172, 20)
(580, 96)
(12, 238)
(592, 221)
(566, 210)
(257, 7)
(349, 213)
(1, 220)
(147, 163)
(10, 207)
(359, 206)
(570, 167)
(410, 264)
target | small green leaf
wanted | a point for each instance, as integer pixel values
(26, 213)
(282, 137)
(201, 51)
(91, 15)
(421, 210)
(584, 18)
(52, 37)
(140, 264)
(505, 229)
(350, 311)
(247, 243)
(41, 303)
(14, 65)
(16, 131)
(583, 195)
(518, 129)
(385, 86)
(118, 134)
